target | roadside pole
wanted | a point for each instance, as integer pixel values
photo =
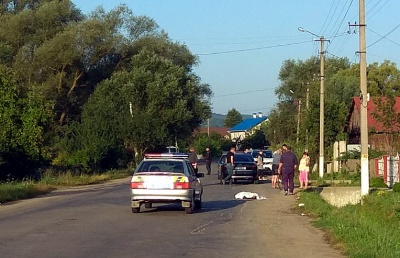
(363, 104)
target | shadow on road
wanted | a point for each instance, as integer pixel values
(220, 205)
(207, 206)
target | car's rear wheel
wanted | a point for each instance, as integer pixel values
(136, 210)
(148, 205)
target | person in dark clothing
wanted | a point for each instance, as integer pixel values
(208, 159)
(193, 159)
(260, 164)
(287, 165)
(230, 159)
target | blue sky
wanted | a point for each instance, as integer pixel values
(259, 35)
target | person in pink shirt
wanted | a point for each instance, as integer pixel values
(304, 168)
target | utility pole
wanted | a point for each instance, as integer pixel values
(363, 103)
(321, 108)
(308, 108)
(298, 120)
(308, 96)
(321, 101)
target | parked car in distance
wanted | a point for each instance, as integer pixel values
(244, 168)
(267, 160)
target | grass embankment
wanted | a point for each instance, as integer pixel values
(368, 230)
(13, 191)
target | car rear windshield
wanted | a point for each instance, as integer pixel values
(243, 158)
(161, 166)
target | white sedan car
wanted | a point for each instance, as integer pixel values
(166, 178)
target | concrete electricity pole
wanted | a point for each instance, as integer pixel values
(363, 103)
(298, 120)
(322, 109)
(321, 101)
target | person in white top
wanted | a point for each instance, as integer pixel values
(304, 168)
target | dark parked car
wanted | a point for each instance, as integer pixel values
(244, 168)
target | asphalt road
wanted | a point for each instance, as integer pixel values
(96, 221)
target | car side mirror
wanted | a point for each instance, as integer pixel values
(200, 174)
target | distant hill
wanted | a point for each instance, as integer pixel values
(217, 120)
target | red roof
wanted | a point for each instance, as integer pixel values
(371, 107)
(223, 131)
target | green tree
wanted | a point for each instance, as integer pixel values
(22, 120)
(256, 141)
(203, 141)
(383, 79)
(233, 117)
(299, 84)
(142, 108)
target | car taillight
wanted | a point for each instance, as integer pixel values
(181, 185)
(137, 185)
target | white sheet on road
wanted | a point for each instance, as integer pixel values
(249, 195)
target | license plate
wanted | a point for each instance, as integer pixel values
(240, 168)
(159, 183)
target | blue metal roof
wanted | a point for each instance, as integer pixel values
(247, 124)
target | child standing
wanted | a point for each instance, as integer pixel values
(304, 168)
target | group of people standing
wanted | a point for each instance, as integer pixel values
(285, 164)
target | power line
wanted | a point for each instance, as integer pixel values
(333, 14)
(394, 42)
(252, 49)
(240, 93)
(384, 57)
(339, 57)
(340, 24)
(326, 19)
(243, 42)
(378, 8)
(337, 20)
(384, 36)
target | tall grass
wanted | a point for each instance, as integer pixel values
(50, 180)
(368, 230)
(12, 191)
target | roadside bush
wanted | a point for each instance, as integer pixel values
(396, 187)
(377, 182)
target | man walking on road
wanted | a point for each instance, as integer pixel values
(208, 159)
(287, 165)
(230, 157)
